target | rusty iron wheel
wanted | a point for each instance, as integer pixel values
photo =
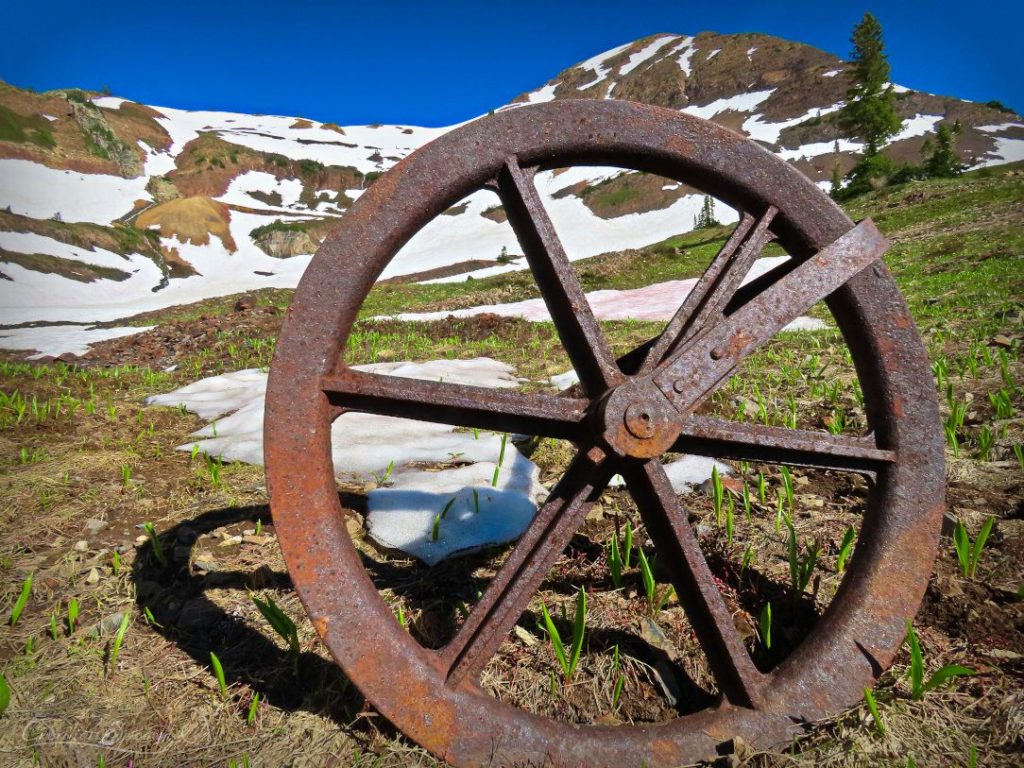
(621, 417)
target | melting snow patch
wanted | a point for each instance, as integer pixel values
(434, 515)
(653, 302)
(918, 125)
(831, 73)
(741, 102)
(769, 132)
(364, 444)
(645, 53)
(31, 189)
(547, 93)
(713, 54)
(109, 102)
(54, 340)
(1007, 150)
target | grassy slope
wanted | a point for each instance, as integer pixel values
(84, 447)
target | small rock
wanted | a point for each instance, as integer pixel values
(94, 525)
(653, 634)
(107, 624)
(801, 480)
(248, 301)
(230, 541)
(93, 577)
(259, 541)
(525, 636)
(814, 502)
(141, 539)
(999, 653)
(206, 564)
(81, 546)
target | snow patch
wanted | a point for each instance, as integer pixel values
(653, 302)
(918, 125)
(475, 514)
(363, 445)
(33, 190)
(109, 102)
(645, 53)
(741, 102)
(769, 133)
(55, 340)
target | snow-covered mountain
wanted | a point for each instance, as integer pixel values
(109, 208)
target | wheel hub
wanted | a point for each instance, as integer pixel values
(635, 420)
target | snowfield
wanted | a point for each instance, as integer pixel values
(36, 191)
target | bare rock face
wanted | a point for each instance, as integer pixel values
(162, 189)
(101, 140)
(285, 244)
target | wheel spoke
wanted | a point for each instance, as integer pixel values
(457, 404)
(715, 287)
(521, 575)
(694, 370)
(722, 438)
(578, 328)
(734, 670)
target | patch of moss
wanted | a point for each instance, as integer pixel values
(279, 226)
(69, 268)
(25, 128)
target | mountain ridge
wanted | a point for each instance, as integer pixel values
(113, 208)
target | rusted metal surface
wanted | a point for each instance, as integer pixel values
(623, 415)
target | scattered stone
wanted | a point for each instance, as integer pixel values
(206, 564)
(814, 502)
(230, 541)
(248, 301)
(107, 624)
(999, 653)
(93, 577)
(653, 634)
(525, 636)
(94, 525)
(81, 546)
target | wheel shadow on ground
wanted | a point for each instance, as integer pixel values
(181, 610)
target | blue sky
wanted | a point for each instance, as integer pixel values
(439, 63)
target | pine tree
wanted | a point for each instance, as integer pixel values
(706, 217)
(941, 158)
(870, 111)
(837, 180)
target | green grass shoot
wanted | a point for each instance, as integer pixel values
(656, 598)
(115, 648)
(155, 544)
(19, 604)
(845, 548)
(918, 686)
(869, 697)
(218, 672)
(969, 553)
(568, 662)
(282, 624)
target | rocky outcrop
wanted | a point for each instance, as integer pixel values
(162, 189)
(101, 140)
(283, 244)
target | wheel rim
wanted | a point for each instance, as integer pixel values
(432, 696)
